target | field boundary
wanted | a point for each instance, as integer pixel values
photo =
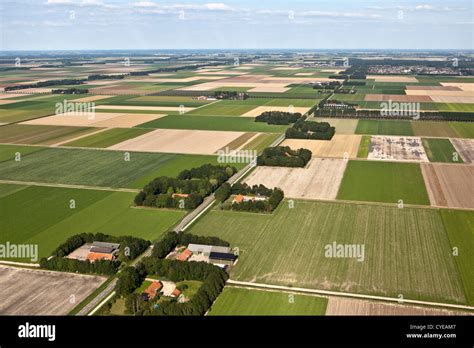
(83, 187)
(347, 294)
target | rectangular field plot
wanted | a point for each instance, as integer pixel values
(340, 146)
(319, 180)
(409, 149)
(218, 109)
(43, 216)
(96, 119)
(42, 135)
(434, 129)
(406, 251)
(463, 129)
(375, 127)
(179, 141)
(460, 228)
(261, 109)
(343, 126)
(224, 123)
(440, 150)
(383, 182)
(240, 301)
(465, 149)
(350, 306)
(93, 167)
(108, 137)
(449, 185)
(37, 292)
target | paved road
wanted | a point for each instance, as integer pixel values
(96, 300)
(346, 294)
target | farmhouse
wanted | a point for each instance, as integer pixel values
(152, 290)
(179, 195)
(241, 198)
(103, 251)
(184, 256)
(201, 249)
(226, 259)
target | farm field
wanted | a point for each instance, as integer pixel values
(241, 301)
(340, 146)
(107, 138)
(238, 124)
(364, 146)
(40, 135)
(408, 149)
(38, 292)
(93, 167)
(179, 141)
(460, 228)
(319, 180)
(406, 250)
(375, 127)
(465, 149)
(343, 126)
(216, 109)
(43, 216)
(434, 129)
(464, 129)
(440, 150)
(349, 306)
(449, 185)
(383, 182)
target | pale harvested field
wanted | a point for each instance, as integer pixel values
(286, 68)
(343, 125)
(437, 93)
(223, 72)
(91, 98)
(340, 146)
(261, 109)
(38, 292)
(391, 78)
(269, 89)
(319, 180)
(9, 95)
(304, 74)
(449, 185)
(141, 108)
(463, 85)
(432, 88)
(397, 149)
(399, 98)
(449, 99)
(176, 80)
(9, 101)
(179, 141)
(349, 306)
(465, 149)
(98, 119)
(336, 71)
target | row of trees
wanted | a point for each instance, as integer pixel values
(310, 130)
(187, 190)
(61, 264)
(106, 77)
(278, 117)
(70, 91)
(45, 84)
(232, 95)
(284, 156)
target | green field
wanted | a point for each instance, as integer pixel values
(273, 102)
(218, 109)
(40, 135)
(239, 301)
(238, 124)
(383, 182)
(460, 228)
(43, 216)
(94, 167)
(406, 250)
(108, 137)
(363, 151)
(463, 129)
(434, 129)
(440, 150)
(374, 127)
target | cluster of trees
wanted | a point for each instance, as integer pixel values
(232, 95)
(327, 85)
(284, 156)
(61, 264)
(278, 117)
(339, 76)
(106, 77)
(213, 279)
(70, 91)
(197, 183)
(45, 84)
(130, 248)
(310, 130)
(170, 69)
(354, 83)
(171, 240)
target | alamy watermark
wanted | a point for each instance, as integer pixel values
(78, 109)
(20, 251)
(236, 156)
(346, 251)
(398, 109)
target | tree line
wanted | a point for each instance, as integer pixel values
(284, 156)
(310, 130)
(278, 117)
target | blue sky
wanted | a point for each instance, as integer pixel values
(258, 24)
